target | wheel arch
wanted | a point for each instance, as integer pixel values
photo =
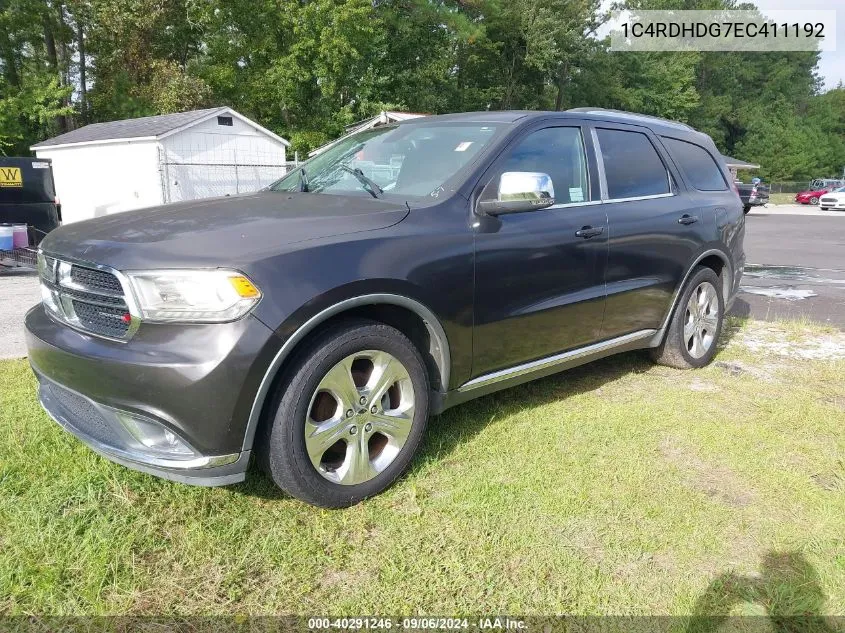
(408, 315)
(715, 259)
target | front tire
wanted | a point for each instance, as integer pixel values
(350, 415)
(695, 326)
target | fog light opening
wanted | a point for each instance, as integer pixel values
(154, 437)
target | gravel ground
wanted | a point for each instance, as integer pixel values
(18, 293)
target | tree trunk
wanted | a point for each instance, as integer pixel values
(561, 82)
(83, 88)
(10, 63)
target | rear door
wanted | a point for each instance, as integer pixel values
(655, 229)
(539, 276)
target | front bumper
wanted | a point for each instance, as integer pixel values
(837, 205)
(197, 382)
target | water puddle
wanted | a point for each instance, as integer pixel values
(796, 274)
(779, 292)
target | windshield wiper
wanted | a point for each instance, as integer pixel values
(370, 185)
(303, 180)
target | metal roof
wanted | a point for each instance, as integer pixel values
(739, 164)
(383, 118)
(144, 127)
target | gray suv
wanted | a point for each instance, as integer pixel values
(316, 325)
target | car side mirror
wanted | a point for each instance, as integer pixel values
(518, 192)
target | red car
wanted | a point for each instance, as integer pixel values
(810, 197)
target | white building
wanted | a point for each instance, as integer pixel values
(106, 168)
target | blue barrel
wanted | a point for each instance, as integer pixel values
(7, 237)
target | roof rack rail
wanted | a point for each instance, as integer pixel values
(622, 114)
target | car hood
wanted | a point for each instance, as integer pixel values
(216, 232)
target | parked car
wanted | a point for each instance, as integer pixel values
(318, 324)
(810, 197)
(752, 195)
(28, 195)
(833, 200)
(818, 188)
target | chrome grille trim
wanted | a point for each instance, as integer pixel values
(87, 298)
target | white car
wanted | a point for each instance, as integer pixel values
(833, 200)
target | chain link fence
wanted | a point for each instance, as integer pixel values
(788, 187)
(210, 176)
(792, 186)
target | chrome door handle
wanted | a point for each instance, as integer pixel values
(588, 231)
(687, 219)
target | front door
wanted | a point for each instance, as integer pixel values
(539, 276)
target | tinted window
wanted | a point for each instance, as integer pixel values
(558, 152)
(631, 164)
(697, 164)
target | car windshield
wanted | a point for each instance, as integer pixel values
(411, 161)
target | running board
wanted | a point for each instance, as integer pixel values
(574, 357)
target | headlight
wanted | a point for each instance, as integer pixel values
(201, 296)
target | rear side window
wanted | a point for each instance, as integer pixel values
(698, 165)
(631, 165)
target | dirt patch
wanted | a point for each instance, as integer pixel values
(772, 339)
(833, 480)
(717, 482)
(699, 385)
(736, 368)
(333, 579)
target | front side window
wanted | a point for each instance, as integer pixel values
(400, 162)
(632, 166)
(697, 164)
(557, 152)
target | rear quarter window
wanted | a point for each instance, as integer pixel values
(700, 168)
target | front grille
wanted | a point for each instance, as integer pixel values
(828, 200)
(95, 279)
(87, 298)
(100, 319)
(86, 417)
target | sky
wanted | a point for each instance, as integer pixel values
(832, 63)
(831, 66)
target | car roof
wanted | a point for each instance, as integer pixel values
(656, 124)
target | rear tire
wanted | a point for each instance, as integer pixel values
(351, 413)
(746, 208)
(814, 201)
(695, 326)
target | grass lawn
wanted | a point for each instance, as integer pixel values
(782, 198)
(618, 487)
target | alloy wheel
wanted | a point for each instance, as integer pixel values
(701, 322)
(359, 417)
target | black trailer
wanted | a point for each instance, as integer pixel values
(28, 195)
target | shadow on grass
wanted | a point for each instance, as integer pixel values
(787, 587)
(446, 431)
(459, 424)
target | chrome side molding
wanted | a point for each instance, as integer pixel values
(551, 361)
